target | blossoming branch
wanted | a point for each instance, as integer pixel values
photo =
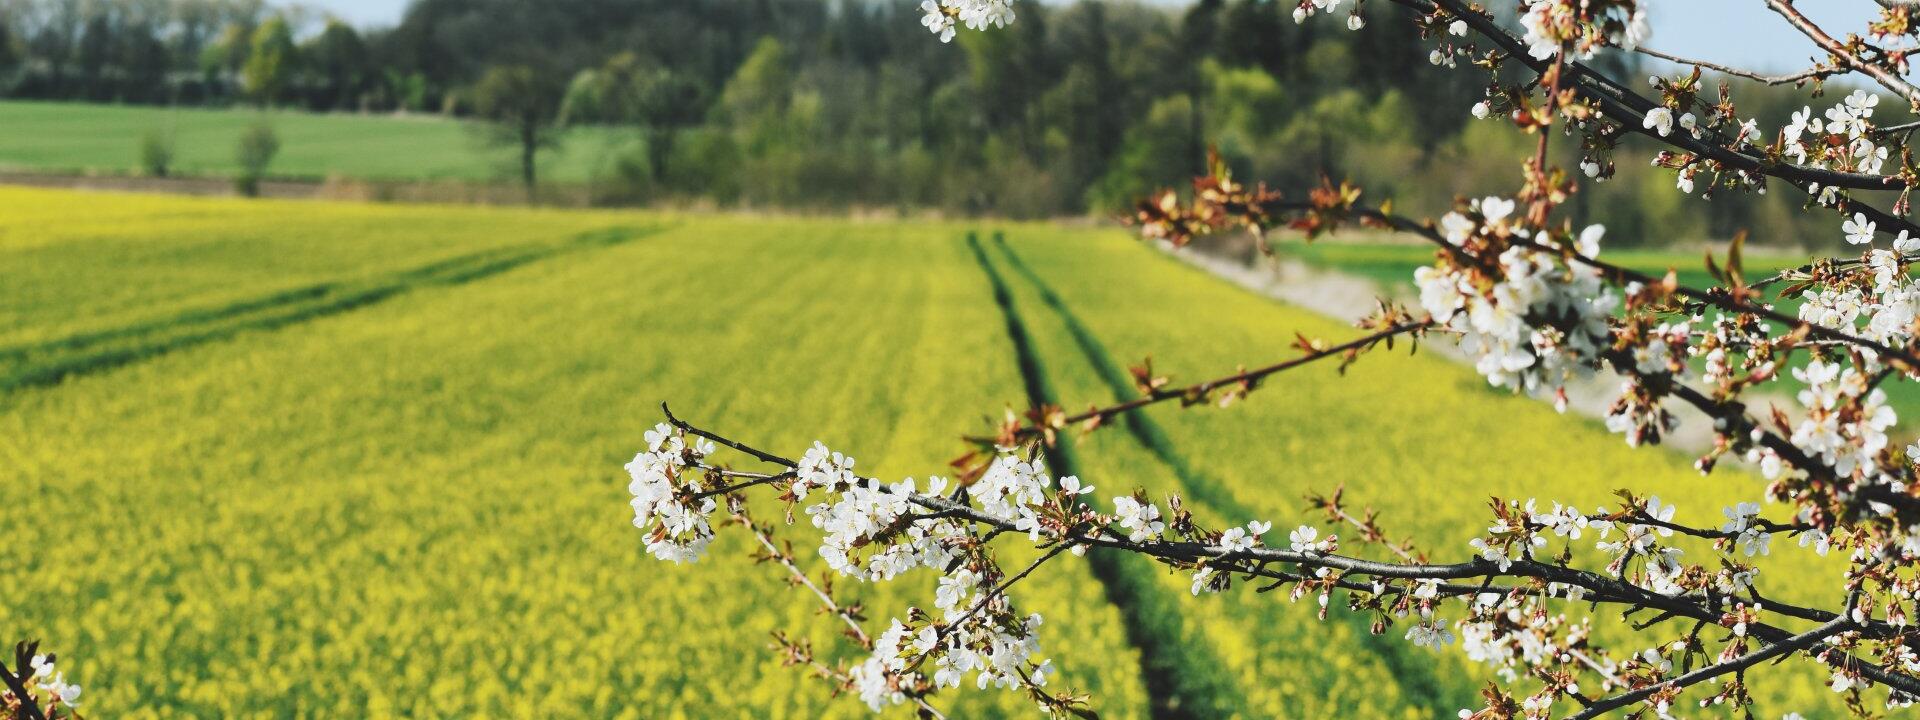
(1531, 301)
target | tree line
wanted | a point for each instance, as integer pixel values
(832, 103)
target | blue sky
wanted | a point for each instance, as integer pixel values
(1745, 34)
(1738, 32)
(362, 12)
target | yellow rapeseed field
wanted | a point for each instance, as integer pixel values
(308, 460)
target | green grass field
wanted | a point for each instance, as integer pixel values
(84, 137)
(305, 459)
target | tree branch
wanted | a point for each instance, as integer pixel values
(1600, 588)
(1888, 79)
(15, 680)
(1796, 643)
(1629, 109)
(800, 578)
(1201, 389)
(1802, 76)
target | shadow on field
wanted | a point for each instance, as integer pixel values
(1176, 670)
(49, 363)
(1414, 674)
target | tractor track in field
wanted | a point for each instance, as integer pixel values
(1127, 581)
(1414, 674)
(49, 363)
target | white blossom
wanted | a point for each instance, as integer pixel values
(1637, 31)
(1140, 520)
(1565, 522)
(1205, 580)
(1859, 230)
(1659, 120)
(1306, 539)
(1493, 553)
(1430, 634)
(50, 681)
(1817, 539)
(941, 16)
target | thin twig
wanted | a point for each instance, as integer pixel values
(1802, 76)
(1200, 389)
(1001, 589)
(800, 577)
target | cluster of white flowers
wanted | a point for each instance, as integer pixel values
(1554, 24)
(1498, 553)
(1430, 633)
(1540, 324)
(663, 486)
(1839, 142)
(1661, 121)
(1511, 635)
(1847, 421)
(1643, 541)
(1140, 520)
(1304, 9)
(865, 536)
(1306, 539)
(1884, 312)
(1001, 655)
(1564, 521)
(942, 17)
(1241, 539)
(51, 682)
(1547, 23)
(1012, 487)
(1742, 521)
(872, 533)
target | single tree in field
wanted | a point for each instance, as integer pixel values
(257, 147)
(523, 105)
(156, 151)
(269, 66)
(631, 90)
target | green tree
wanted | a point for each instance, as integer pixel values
(156, 151)
(756, 100)
(1155, 154)
(630, 90)
(223, 59)
(258, 145)
(522, 105)
(270, 62)
(337, 59)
